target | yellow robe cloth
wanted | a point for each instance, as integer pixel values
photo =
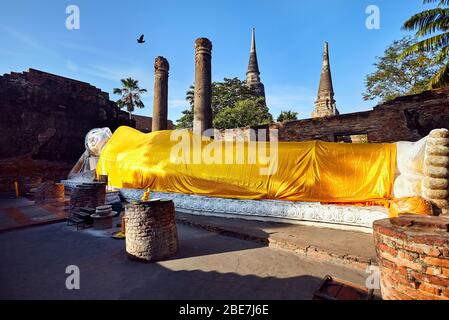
(313, 171)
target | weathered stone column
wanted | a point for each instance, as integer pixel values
(160, 100)
(202, 110)
(413, 253)
(150, 229)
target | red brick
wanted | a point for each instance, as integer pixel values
(438, 281)
(417, 294)
(433, 239)
(393, 294)
(401, 262)
(436, 262)
(392, 232)
(387, 264)
(445, 272)
(422, 249)
(388, 249)
(445, 252)
(410, 256)
(430, 289)
(433, 271)
(445, 293)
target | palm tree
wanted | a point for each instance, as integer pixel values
(434, 24)
(287, 116)
(131, 95)
(190, 95)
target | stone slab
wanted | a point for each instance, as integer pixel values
(349, 248)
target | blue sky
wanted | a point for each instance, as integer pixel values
(290, 37)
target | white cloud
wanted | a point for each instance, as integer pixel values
(71, 66)
(178, 103)
(21, 37)
(92, 50)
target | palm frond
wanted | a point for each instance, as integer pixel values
(442, 55)
(429, 44)
(440, 2)
(428, 19)
(441, 78)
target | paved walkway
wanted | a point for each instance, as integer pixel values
(207, 266)
(21, 213)
(350, 248)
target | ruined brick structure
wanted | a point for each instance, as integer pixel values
(44, 120)
(150, 229)
(48, 116)
(145, 124)
(413, 253)
(407, 118)
(325, 104)
(253, 73)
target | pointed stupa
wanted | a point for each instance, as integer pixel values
(325, 105)
(253, 73)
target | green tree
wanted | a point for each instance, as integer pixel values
(394, 77)
(130, 95)
(244, 113)
(433, 24)
(186, 120)
(287, 116)
(225, 95)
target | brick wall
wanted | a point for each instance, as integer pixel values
(145, 124)
(407, 118)
(30, 173)
(43, 122)
(413, 253)
(48, 116)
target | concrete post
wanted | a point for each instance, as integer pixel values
(160, 100)
(202, 110)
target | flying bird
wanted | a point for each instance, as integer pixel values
(140, 40)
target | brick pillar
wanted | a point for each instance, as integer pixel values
(49, 192)
(413, 253)
(202, 110)
(150, 229)
(160, 100)
(88, 195)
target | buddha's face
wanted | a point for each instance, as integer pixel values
(96, 139)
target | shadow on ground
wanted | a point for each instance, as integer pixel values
(207, 266)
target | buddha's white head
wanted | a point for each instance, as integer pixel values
(96, 139)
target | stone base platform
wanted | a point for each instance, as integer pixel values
(344, 217)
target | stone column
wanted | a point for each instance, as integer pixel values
(202, 111)
(413, 254)
(150, 229)
(160, 100)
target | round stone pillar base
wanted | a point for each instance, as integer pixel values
(150, 230)
(413, 253)
(89, 195)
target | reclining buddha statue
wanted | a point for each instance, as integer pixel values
(313, 171)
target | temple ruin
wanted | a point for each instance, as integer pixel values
(202, 110)
(253, 73)
(325, 105)
(160, 99)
